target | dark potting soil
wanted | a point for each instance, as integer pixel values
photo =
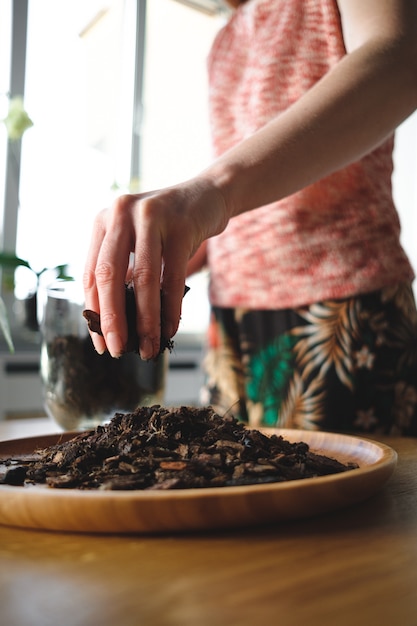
(80, 381)
(170, 448)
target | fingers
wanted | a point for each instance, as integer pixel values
(104, 277)
(157, 312)
(172, 286)
(89, 278)
(146, 278)
(158, 229)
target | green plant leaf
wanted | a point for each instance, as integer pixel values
(17, 120)
(61, 271)
(4, 326)
(11, 261)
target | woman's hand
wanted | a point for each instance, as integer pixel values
(163, 229)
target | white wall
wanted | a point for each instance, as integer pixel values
(405, 185)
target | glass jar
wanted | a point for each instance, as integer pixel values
(82, 388)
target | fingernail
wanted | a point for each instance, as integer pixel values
(99, 344)
(114, 345)
(146, 348)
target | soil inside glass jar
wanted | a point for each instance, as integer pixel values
(80, 383)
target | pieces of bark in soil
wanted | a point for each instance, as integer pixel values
(157, 448)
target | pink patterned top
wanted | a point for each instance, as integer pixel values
(337, 237)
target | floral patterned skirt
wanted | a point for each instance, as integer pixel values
(340, 365)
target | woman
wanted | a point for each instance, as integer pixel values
(314, 322)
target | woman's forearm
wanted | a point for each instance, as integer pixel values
(354, 108)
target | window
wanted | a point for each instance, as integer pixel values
(5, 62)
(175, 133)
(5, 27)
(79, 92)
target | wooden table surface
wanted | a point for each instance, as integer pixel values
(356, 567)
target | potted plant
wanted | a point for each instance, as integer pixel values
(10, 262)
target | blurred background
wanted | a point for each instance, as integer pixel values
(116, 94)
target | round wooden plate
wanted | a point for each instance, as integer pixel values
(199, 509)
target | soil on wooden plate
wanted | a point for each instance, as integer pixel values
(170, 448)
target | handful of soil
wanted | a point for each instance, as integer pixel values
(178, 448)
(93, 321)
